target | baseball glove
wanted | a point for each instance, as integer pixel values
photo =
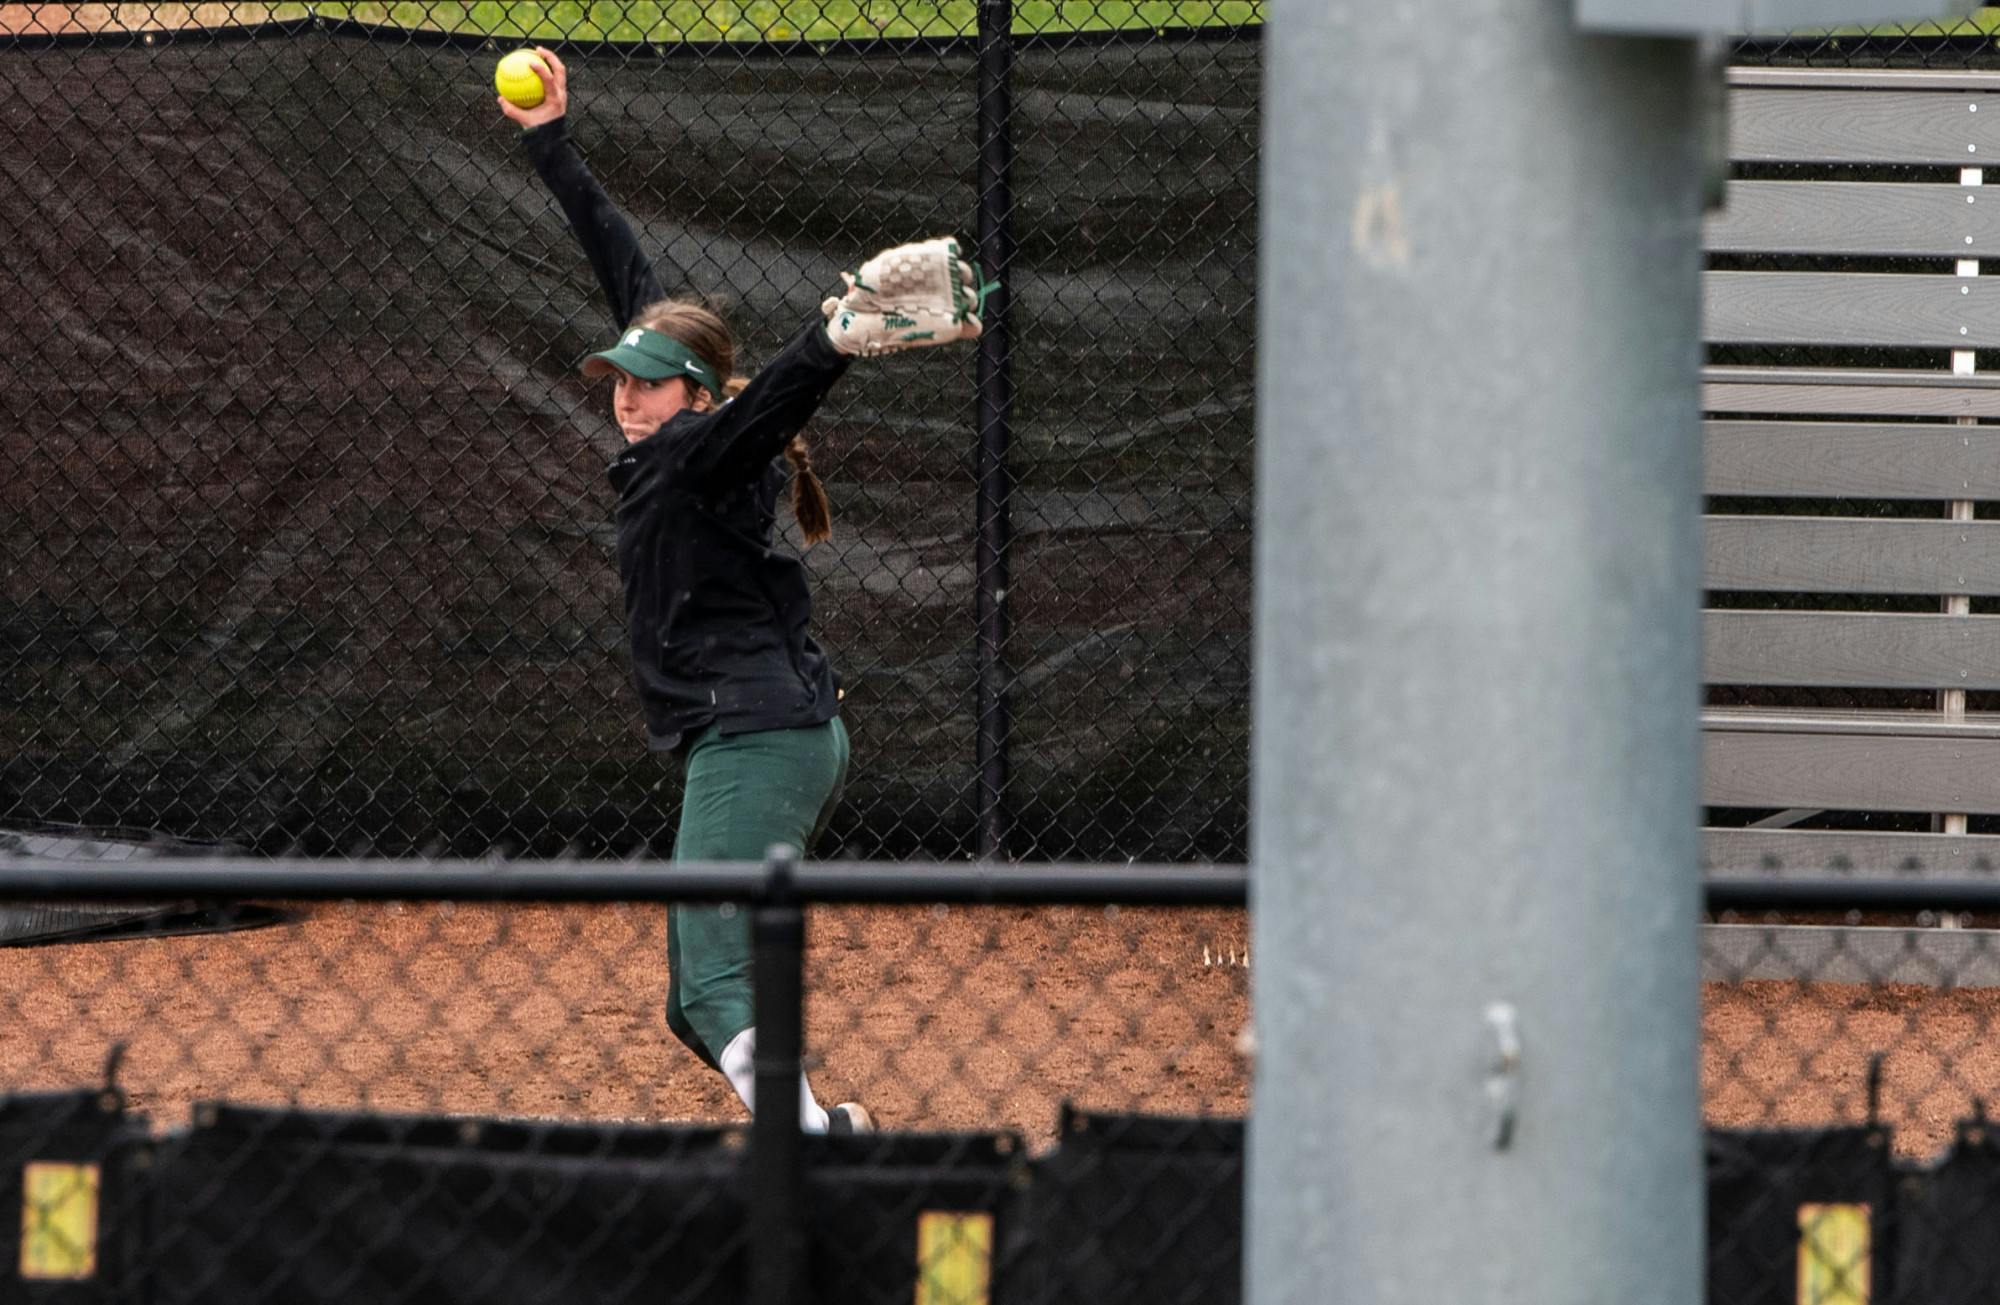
(909, 297)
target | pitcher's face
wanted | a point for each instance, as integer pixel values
(642, 406)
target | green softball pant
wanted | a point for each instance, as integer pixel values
(744, 793)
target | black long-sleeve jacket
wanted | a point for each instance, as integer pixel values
(716, 611)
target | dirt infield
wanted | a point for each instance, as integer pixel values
(961, 1019)
(1793, 1054)
(971, 1019)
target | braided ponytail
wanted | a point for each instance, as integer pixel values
(809, 503)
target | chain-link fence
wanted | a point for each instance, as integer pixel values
(1968, 43)
(307, 546)
(1847, 1062)
(308, 536)
(461, 1096)
(308, 542)
(423, 1098)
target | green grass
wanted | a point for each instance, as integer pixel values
(781, 20)
(1982, 22)
(1985, 22)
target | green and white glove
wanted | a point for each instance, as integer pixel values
(909, 297)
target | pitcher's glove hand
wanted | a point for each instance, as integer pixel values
(908, 297)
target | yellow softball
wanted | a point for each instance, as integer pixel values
(519, 79)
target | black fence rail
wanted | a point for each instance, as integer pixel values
(307, 536)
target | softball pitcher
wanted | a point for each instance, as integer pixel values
(732, 683)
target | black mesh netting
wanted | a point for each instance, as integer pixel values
(306, 532)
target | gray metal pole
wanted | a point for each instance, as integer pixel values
(1477, 681)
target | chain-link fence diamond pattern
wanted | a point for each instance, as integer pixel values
(308, 536)
(442, 1099)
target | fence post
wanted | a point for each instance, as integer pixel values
(996, 401)
(1477, 674)
(777, 1182)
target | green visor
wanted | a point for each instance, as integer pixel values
(652, 356)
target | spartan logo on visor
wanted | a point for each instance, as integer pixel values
(654, 355)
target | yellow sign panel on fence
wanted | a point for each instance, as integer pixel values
(954, 1258)
(1833, 1254)
(58, 1220)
